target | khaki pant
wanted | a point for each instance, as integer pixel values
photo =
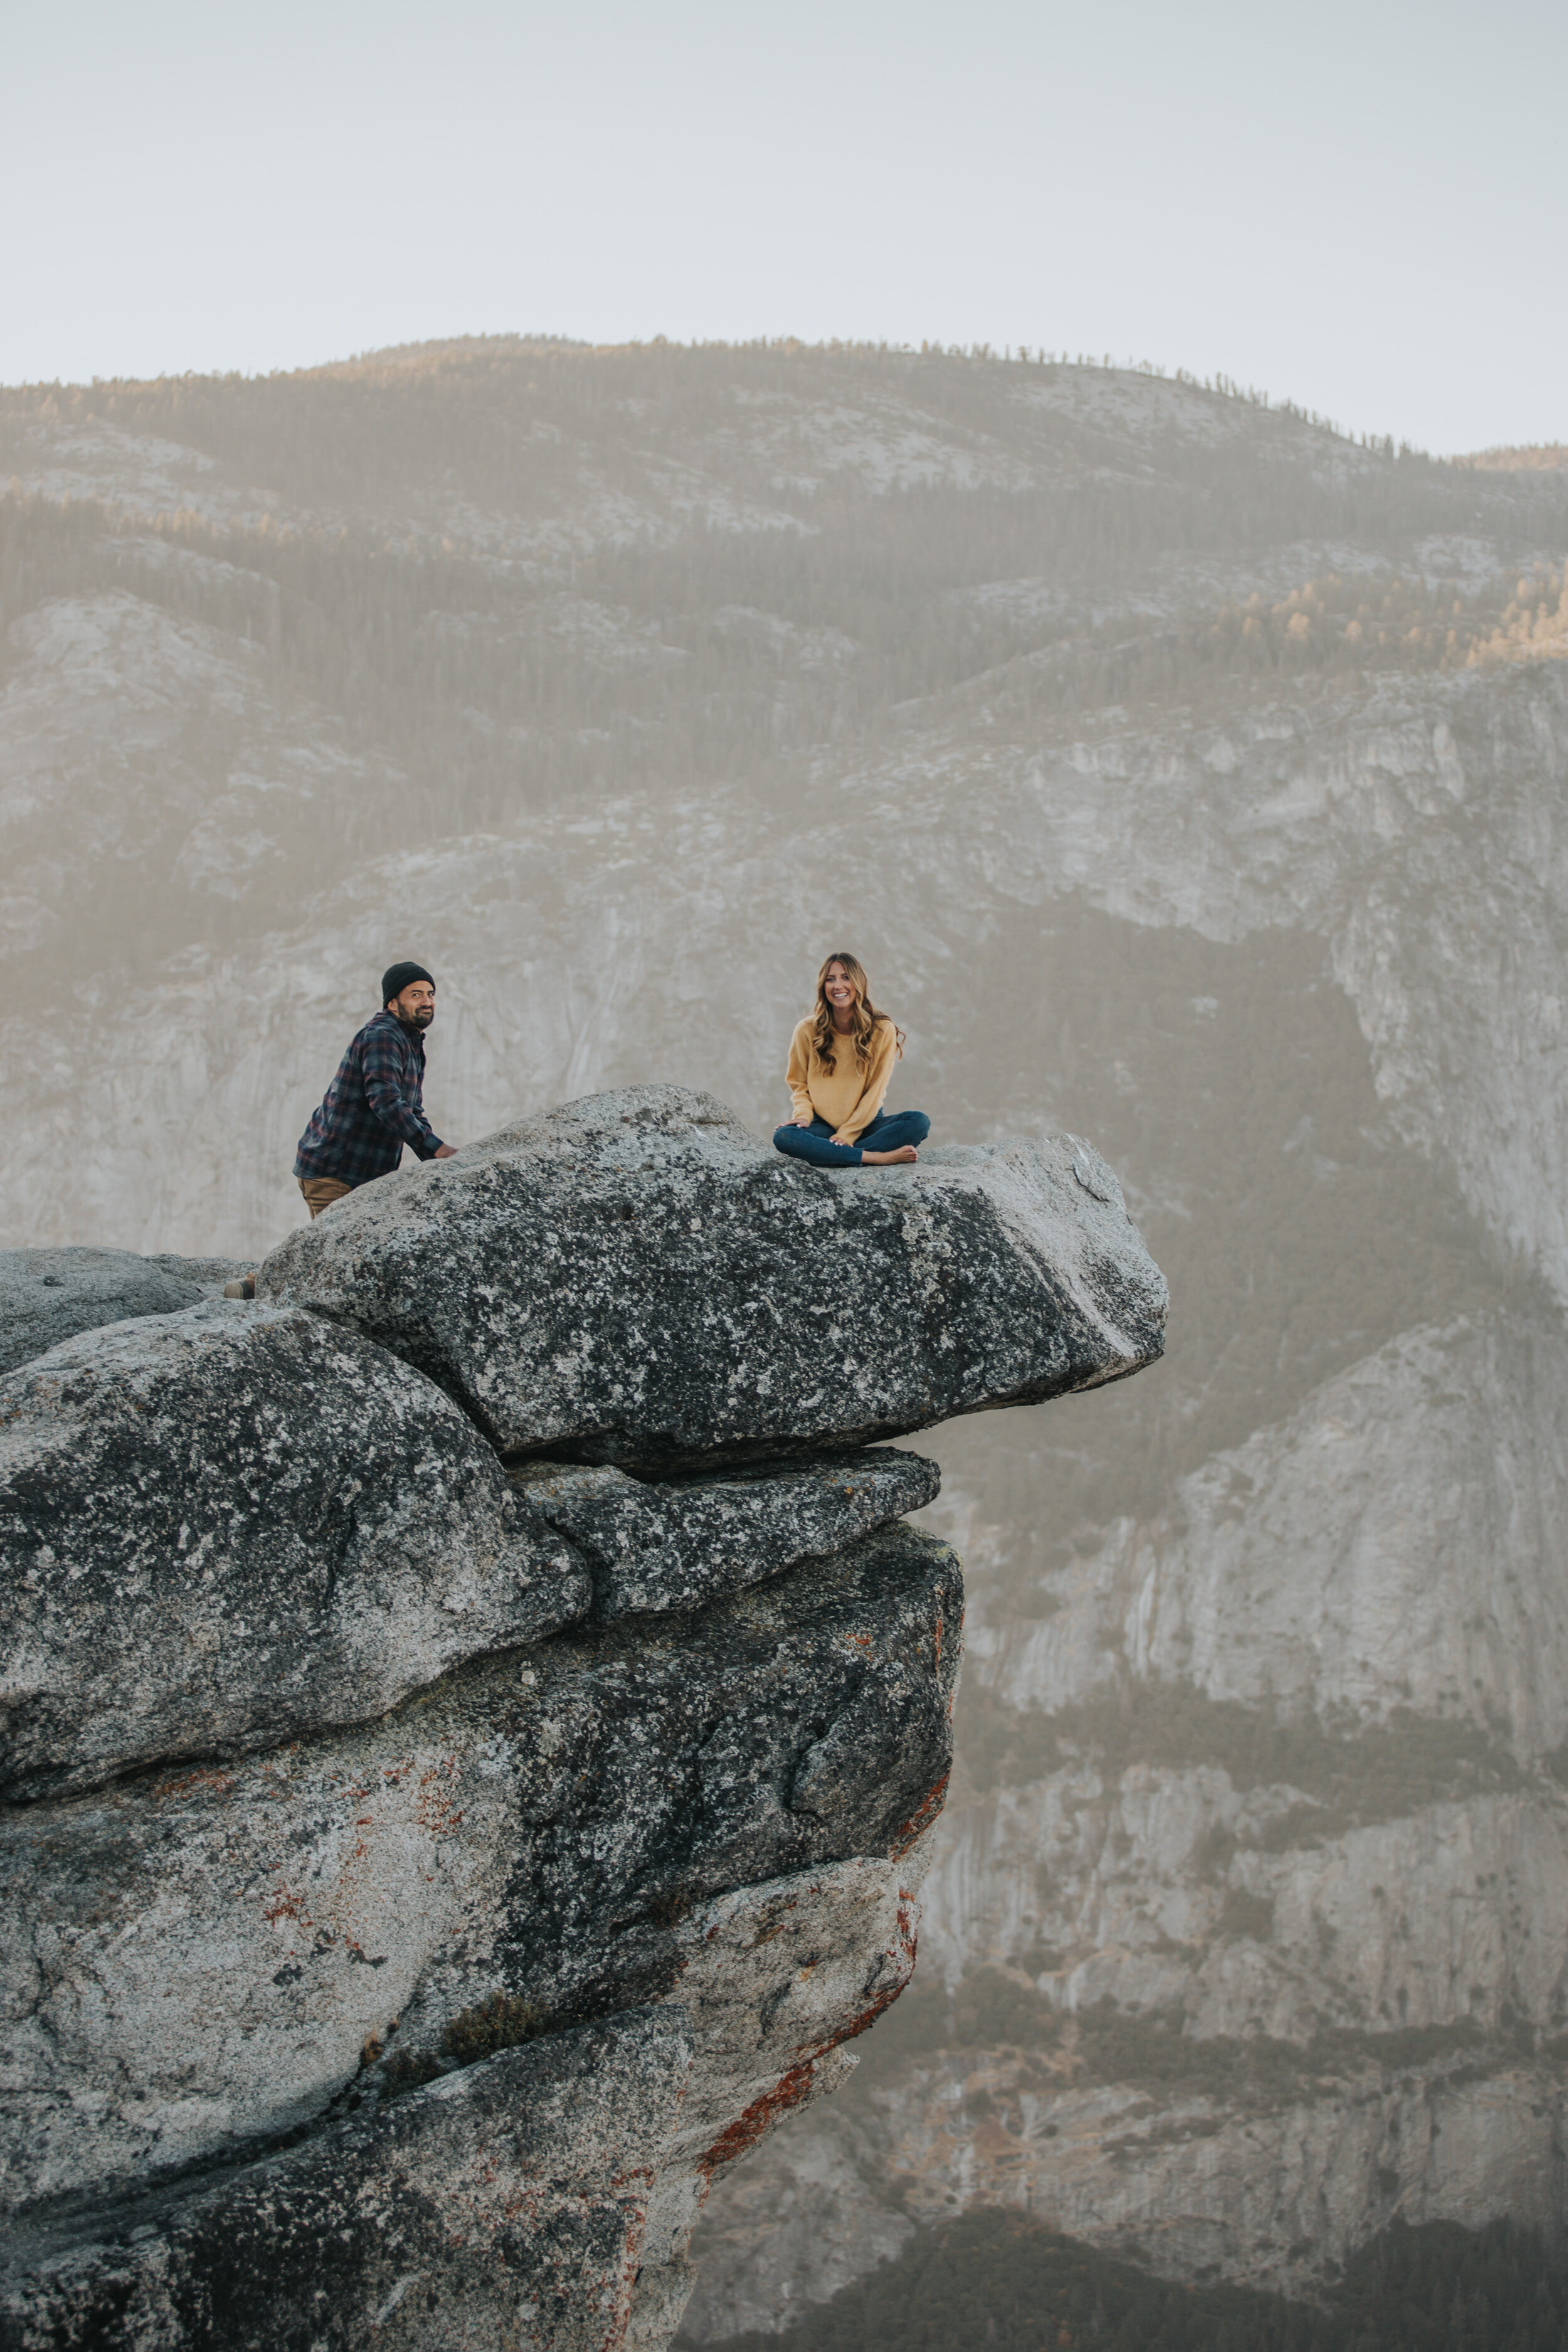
(320, 1191)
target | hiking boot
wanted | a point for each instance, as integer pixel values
(242, 1287)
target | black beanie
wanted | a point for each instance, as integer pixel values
(399, 976)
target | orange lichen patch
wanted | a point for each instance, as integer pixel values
(284, 1903)
(794, 2087)
(907, 1930)
(925, 1813)
(760, 2117)
(433, 1808)
(203, 1782)
(631, 2261)
(872, 2010)
(779, 1924)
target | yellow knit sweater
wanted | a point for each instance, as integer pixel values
(848, 1097)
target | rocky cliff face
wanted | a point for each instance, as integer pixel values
(1250, 1915)
(1132, 734)
(423, 1881)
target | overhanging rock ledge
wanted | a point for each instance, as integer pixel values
(635, 1280)
(418, 1881)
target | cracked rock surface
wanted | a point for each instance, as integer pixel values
(233, 1525)
(635, 1280)
(422, 1871)
(200, 1959)
(672, 1544)
(541, 2153)
(721, 1815)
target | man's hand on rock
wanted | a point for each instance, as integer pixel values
(446, 1152)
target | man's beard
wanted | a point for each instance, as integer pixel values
(423, 1018)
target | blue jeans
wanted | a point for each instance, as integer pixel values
(884, 1134)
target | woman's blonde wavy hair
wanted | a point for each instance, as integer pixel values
(866, 1017)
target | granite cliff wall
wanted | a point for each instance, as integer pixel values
(1245, 1934)
(474, 1717)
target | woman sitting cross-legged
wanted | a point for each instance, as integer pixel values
(840, 1060)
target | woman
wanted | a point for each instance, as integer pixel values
(840, 1060)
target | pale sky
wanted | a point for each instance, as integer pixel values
(1352, 206)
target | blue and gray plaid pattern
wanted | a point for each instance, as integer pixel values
(373, 1107)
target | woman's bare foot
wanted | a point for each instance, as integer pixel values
(886, 1159)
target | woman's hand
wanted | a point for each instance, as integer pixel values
(801, 1119)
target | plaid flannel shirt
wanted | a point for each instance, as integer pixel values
(373, 1107)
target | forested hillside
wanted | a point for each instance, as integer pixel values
(537, 574)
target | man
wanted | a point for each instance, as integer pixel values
(374, 1107)
(375, 1103)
